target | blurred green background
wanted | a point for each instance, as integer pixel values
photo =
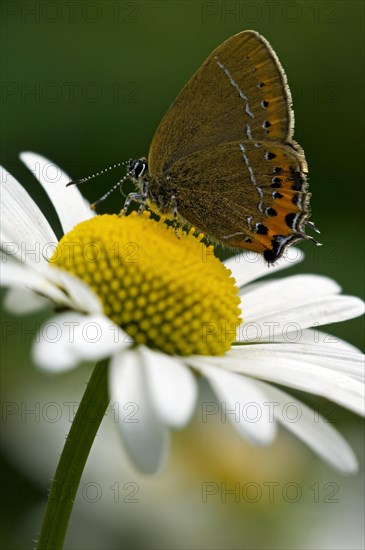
(86, 84)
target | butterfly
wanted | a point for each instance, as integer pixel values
(223, 158)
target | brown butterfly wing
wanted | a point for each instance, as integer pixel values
(258, 201)
(224, 150)
(239, 93)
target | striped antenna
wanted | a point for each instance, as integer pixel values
(94, 204)
(82, 180)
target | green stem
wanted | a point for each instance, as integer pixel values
(73, 459)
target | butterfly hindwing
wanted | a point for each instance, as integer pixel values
(258, 202)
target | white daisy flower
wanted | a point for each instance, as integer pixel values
(164, 310)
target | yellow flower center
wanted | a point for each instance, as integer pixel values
(168, 293)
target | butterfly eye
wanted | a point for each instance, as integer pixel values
(137, 168)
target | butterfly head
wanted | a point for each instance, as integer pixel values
(136, 169)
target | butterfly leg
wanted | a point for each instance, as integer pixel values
(139, 197)
(143, 197)
(174, 209)
(130, 197)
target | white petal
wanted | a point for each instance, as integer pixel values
(314, 336)
(293, 304)
(25, 232)
(143, 434)
(172, 387)
(69, 203)
(48, 280)
(70, 338)
(284, 292)
(337, 359)
(21, 301)
(271, 298)
(249, 266)
(51, 350)
(17, 275)
(241, 402)
(270, 362)
(311, 428)
(82, 297)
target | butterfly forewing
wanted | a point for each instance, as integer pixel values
(239, 93)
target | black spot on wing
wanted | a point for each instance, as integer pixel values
(261, 229)
(290, 219)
